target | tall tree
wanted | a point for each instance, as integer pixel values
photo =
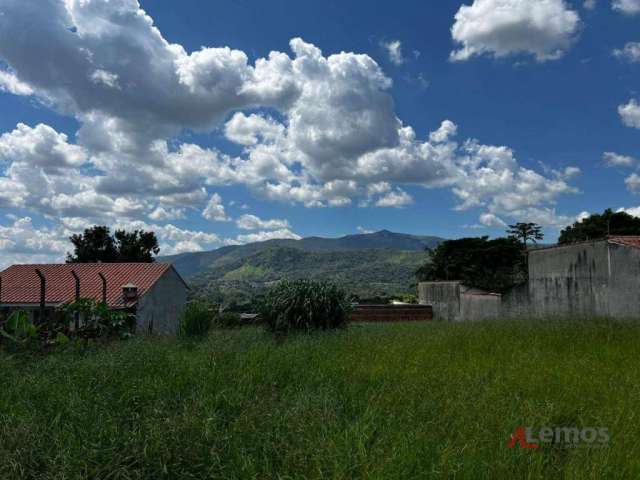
(97, 244)
(494, 265)
(136, 246)
(524, 232)
(599, 225)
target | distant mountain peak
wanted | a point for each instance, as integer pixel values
(189, 264)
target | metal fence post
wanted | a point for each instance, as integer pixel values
(76, 314)
(104, 288)
(43, 289)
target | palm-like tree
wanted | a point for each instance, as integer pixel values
(525, 232)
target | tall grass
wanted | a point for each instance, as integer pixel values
(429, 400)
(304, 306)
(196, 320)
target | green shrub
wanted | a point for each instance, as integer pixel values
(196, 320)
(229, 319)
(304, 305)
(97, 320)
(19, 330)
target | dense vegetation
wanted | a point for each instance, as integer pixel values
(600, 225)
(430, 400)
(78, 321)
(96, 244)
(494, 265)
(304, 306)
(366, 274)
(196, 320)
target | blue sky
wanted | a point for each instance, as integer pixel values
(166, 129)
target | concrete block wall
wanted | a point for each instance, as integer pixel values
(444, 298)
(516, 302)
(623, 295)
(479, 306)
(585, 280)
(570, 281)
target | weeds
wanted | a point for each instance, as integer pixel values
(304, 305)
(429, 400)
(196, 320)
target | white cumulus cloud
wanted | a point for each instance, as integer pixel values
(630, 113)
(267, 235)
(252, 222)
(40, 146)
(613, 159)
(633, 183)
(215, 209)
(545, 29)
(394, 51)
(397, 198)
(628, 7)
(630, 52)
(315, 129)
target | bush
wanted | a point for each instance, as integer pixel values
(19, 330)
(229, 319)
(96, 320)
(196, 320)
(303, 305)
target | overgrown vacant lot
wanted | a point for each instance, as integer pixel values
(375, 401)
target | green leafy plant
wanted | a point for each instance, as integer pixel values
(196, 320)
(19, 329)
(97, 320)
(304, 305)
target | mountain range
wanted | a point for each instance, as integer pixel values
(369, 265)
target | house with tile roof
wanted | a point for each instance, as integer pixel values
(154, 292)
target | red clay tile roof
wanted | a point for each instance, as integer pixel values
(21, 284)
(626, 240)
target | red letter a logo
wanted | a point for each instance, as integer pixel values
(520, 437)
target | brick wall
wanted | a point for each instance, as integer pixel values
(392, 313)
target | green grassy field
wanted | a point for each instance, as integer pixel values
(376, 401)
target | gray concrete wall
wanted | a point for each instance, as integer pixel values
(592, 279)
(444, 297)
(516, 302)
(455, 302)
(479, 306)
(570, 281)
(160, 309)
(623, 295)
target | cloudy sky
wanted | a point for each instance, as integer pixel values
(224, 122)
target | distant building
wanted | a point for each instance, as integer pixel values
(154, 292)
(599, 278)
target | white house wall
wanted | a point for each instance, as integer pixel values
(159, 310)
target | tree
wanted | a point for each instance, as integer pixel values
(525, 232)
(599, 226)
(97, 244)
(136, 246)
(493, 265)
